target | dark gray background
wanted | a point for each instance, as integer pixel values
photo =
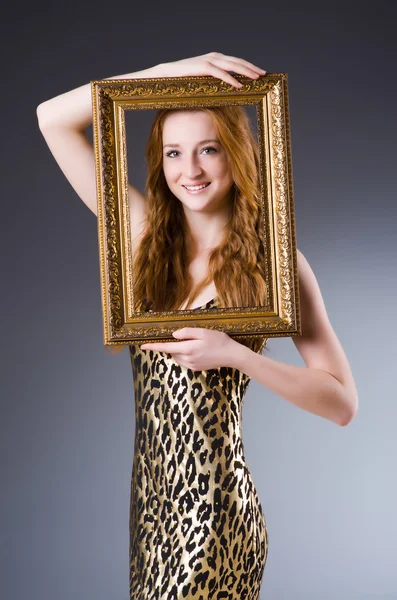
(67, 419)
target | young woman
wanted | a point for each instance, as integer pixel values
(203, 224)
(197, 528)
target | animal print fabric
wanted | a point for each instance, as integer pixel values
(197, 529)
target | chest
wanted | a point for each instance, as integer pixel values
(198, 270)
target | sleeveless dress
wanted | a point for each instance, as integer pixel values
(197, 529)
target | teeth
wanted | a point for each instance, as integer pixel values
(192, 188)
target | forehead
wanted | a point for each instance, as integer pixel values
(187, 125)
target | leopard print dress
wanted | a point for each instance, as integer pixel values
(197, 529)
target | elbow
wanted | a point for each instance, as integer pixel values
(42, 114)
(39, 111)
(346, 421)
(350, 412)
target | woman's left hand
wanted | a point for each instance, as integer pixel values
(200, 348)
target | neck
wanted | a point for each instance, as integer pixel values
(205, 231)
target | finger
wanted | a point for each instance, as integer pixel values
(221, 74)
(169, 347)
(246, 63)
(193, 333)
(185, 361)
(181, 359)
(241, 61)
(160, 346)
(238, 67)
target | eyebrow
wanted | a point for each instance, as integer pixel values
(202, 142)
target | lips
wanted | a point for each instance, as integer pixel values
(197, 187)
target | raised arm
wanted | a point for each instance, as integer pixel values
(64, 119)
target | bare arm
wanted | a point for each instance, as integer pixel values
(325, 386)
(64, 119)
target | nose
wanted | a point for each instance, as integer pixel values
(192, 167)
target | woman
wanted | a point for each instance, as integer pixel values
(203, 222)
(197, 526)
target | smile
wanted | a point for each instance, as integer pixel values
(196, 188)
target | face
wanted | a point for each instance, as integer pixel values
(196, 166)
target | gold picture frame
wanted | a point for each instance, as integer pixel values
(269, 94)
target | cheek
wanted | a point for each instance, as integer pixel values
(223, 165)
(169, 172)
(225, 170)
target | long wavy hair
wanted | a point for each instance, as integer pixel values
(236, 266)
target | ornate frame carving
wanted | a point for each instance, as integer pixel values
(269, 93)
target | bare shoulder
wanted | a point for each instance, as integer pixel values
(314, 316)
(319, 345)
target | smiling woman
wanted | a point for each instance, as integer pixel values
(203, 234)
(193, 165)
(197, 528)
(201, 247)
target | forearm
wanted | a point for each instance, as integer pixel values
(313, 390)
(73, 109)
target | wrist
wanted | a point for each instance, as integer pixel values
(238, 355)
(160, 70)
(156, 71)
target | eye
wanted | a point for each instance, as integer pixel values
(171, 152)
(210, 148)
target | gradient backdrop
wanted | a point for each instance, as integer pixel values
(329, 493)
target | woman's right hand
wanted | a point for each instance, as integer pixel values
(63, 119)
(215, 64)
